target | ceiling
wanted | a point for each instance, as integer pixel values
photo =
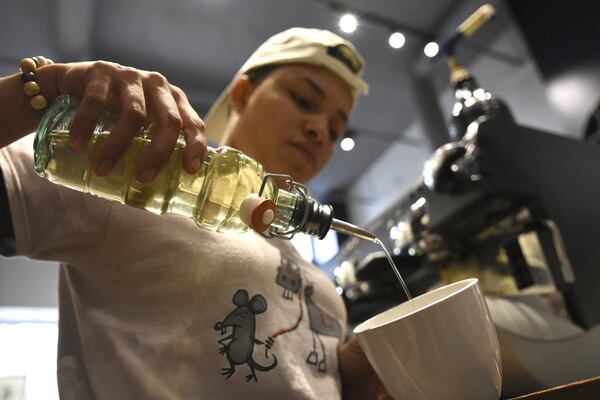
(200, 44)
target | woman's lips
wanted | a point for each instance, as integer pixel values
(305, 153)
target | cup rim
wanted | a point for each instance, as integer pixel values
(466, 283)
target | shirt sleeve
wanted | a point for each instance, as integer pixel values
(50, 222)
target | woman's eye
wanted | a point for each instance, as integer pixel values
(300, 101)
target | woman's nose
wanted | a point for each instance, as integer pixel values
(317, 129)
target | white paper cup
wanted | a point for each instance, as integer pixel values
(442, 345)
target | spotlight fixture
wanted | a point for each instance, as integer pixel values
(431, 49)
(347, 144)
(348, 23)
(397, 40)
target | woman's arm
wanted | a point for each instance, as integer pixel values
(16, 115)
(7, 233)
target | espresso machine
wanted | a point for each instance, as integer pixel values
(516, 207)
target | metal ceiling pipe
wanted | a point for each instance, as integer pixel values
(427, 109)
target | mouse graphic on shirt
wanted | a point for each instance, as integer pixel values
(239, 345)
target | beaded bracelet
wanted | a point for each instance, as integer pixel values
(29, 67)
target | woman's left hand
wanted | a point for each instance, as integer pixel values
(359, 380)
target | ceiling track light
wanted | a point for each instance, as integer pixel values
(348, 23)
(396, 40)
(431, 49)
(347, 144)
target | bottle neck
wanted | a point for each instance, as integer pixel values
(299, 213)
(313, 218)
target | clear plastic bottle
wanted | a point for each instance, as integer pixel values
(212, 197)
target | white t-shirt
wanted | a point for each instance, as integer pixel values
(153, 307)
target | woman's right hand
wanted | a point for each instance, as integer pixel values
(141, 94)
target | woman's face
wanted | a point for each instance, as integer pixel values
(290, 121)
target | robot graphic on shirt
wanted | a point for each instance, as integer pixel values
(288, 276)
(320, 322)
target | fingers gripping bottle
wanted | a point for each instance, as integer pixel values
(228, 181)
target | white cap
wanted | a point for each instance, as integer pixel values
(295, 45)
(257, 213)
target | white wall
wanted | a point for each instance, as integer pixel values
(399, 168)
(28, 283)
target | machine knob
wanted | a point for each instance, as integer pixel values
(441, 173)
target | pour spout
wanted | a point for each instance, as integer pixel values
(351, 230)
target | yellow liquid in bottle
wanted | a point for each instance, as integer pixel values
(212, 196)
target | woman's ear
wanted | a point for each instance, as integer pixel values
(240, 93)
